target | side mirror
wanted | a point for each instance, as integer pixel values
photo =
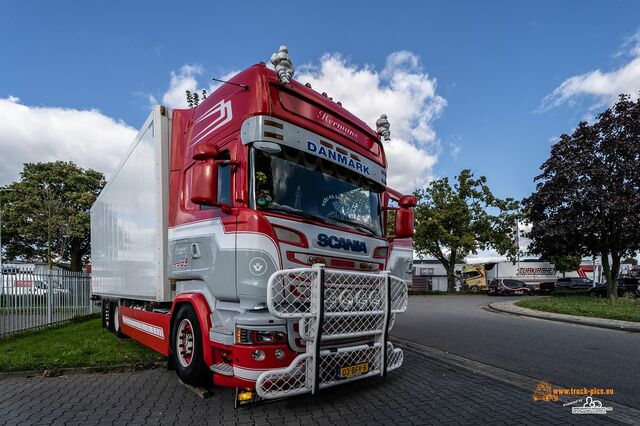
(408, 201)
(204, 189)
(204, 151)
(404, 223)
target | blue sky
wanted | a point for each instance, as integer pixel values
(489, 64)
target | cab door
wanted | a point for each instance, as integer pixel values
(213, 249)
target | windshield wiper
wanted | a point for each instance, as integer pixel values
(355, 225)
(298, 213)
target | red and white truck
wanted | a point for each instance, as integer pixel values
(245, 239)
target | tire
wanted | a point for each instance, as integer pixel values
(474, 289)
(110, 318)
(103, 311)
(117, 321)
(188, 361)
(107, 315)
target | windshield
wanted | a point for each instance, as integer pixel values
(299, 184)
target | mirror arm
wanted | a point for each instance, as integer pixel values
(233, 163)
(226, 208)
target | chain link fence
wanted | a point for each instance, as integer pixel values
(33, 299)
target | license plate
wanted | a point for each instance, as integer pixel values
(353, 370)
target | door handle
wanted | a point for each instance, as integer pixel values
(195, 251)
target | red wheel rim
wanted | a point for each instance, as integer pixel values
(185, 343)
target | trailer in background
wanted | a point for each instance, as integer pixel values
(533, 273)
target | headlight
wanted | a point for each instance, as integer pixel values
(260, 337)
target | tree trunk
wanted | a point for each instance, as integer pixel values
(451, 280)
(611, 273)
(75, 258)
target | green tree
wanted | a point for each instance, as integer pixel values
(630, 261)
(47, 217)
(454, 221)
(566, 263)
(587, 198)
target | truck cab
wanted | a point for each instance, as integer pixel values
(275, 201)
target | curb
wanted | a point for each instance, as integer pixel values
(509, 307)
(57, 372)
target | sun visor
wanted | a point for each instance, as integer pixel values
(265, 128)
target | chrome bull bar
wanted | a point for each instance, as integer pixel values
(333, 305)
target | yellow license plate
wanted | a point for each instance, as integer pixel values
(353, 370)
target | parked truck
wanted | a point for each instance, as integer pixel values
(537, 275)
(245, 239)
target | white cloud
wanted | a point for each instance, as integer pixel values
(187, 79)
(454, 150)
(33, 134)
(603, 86)
(183, 80)
(404, 92)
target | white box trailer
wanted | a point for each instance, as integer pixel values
(130, 217)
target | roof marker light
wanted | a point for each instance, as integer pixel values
(273, 123)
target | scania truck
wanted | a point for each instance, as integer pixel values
(245, 239)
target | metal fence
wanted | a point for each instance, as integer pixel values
(429, 282)
(35, 299)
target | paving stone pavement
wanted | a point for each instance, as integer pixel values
(423, 391)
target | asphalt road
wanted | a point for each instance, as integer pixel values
(564, 354)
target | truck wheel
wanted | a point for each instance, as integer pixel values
(186, 347)
(107, 315)
(475, 289)
(103, 311)
(110, 306)
(116, 321)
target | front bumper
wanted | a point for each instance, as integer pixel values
(299, 378)
(332, 306)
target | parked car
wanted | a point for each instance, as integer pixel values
(506, 287)
(573, 283)
(547, 287)
(627, 287)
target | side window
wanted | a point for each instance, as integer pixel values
(224, 180)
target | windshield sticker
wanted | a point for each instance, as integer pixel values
(338, 157)
(326, 199)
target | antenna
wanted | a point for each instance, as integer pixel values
(244, 86)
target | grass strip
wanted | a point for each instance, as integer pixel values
(80, 343)
(624, 309)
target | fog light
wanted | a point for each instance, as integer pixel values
(245, 396)
(258, 355)
(279, 353)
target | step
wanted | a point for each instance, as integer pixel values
(222, 368)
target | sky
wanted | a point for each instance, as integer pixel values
(481, 85)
